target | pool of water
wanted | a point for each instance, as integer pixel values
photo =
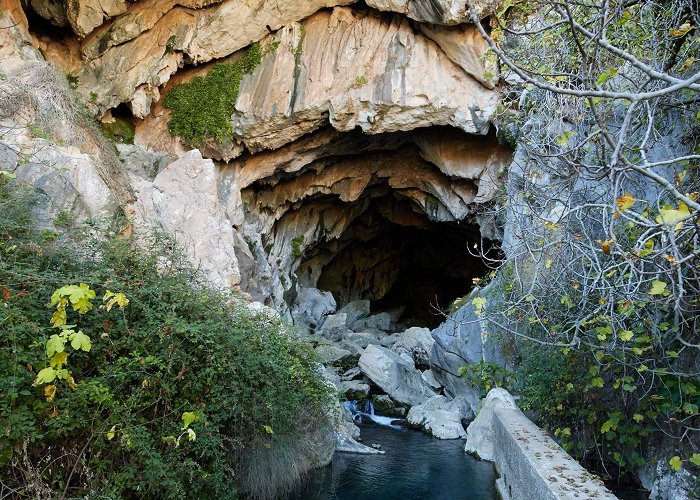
(415, 467)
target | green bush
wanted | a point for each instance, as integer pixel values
(177, 348)
(203, 106)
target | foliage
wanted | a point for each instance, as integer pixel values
(297, 243)
(119, 130)
(486, 375)
(164, 391)
(202, 107)
(603, 285)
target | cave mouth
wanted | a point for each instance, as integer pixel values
(407, 265)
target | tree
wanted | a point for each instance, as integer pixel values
(602, 213)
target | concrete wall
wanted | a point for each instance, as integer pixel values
(534, 467)
(531, 465)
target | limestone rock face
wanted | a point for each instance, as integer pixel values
(149, 43)
(394, 375)
(441, 417)
(437, 11)
(183, 200)
(353, 69)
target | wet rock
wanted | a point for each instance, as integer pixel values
(415, 344)
(354, 390)
(311, 306)
(394, 375)
(384, 405)
(441, 417)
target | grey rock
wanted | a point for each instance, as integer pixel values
(415, 344)
(333, 327)
(384, 405)
(330, 354)
(357, 309)
(351, 374)
(429, 377)
(354, 389)
(442, 417)
(381, 321)
(480, 434)
(355, 349)
(311, 306)
(363, 339)
(394, 375)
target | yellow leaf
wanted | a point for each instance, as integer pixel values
(682, 30)
(625, 201)
(111, 298)
(670, 216)
(50, 392)
(111, 433)
(550, 225)
(59, 318)
(45, 376)
(58, 360)
(548, 263)
(605, 245)
(676, 463)
(479, 303)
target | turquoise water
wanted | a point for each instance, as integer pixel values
(415, 467)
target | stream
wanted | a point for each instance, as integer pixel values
(415, 467)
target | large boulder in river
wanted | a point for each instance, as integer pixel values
(442, 417)
(480, 436)
(394, 375)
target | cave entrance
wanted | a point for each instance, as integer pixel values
(402, 262)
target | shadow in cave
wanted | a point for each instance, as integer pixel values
(419, 268)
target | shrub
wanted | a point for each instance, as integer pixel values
(178, 361)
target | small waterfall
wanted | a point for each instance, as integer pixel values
(365, 409)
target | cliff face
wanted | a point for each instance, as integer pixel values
(337, 125)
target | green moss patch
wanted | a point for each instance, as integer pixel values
(119, 130)
(202, 107)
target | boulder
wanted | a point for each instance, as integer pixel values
(333, 327)
(355, 310)
(480, 436)
(394, 375)
(351, 374)
(429, 377)
(381, 321)
(311, 306)
(460, 341)
(363, 339)
(330, 354)
(384, 405)
(415, 344)
(441, 416)
(354, 389)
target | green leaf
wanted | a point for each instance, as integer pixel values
(187, 418)
(597, 382)
(478, 303)
(268, 429)
(54, 344)
(626, 335)
(676, 463)
(45, 376)
(690, 408)
(695, 459)
(80, 341)
(657, 287)
(111, 433)
(637, 417)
